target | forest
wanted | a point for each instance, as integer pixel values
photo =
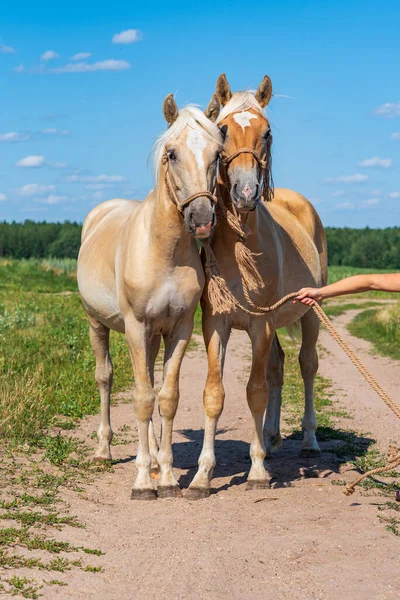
(372, 248)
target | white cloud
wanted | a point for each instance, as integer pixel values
(394, 195)
(395, 136)
(81, 56)
(370, 202)
(51, 199)
(376, 161)
(345, 205)
(129, 36)
(339, 193)
(389, 110)
(31, 162)
(3, 197)
(59, 165)
(53, 131)
(6, 49)
(99, 186)
(34, 189)
(356, 178)
(96, 178)
(82, 67)
(13, 136)
(19, 69)
(375, 193)
(49, 55)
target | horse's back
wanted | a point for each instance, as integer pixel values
(116, 210)
(304, 213)
(101, 234)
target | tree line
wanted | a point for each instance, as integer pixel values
(373, 248)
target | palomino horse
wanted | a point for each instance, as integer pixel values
(288, 244)
(139, 273)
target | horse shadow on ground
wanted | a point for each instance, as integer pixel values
(286, 465)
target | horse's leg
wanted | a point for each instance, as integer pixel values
(168, 398)
(100, 340)
(153, 443)
(261, 336)
(216, 332)
(308, 359)
(272, 435)
(139, 344)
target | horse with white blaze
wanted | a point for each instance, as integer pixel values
(266, 244)
(140, 273)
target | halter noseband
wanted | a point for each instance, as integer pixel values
(172, 194)
(263, 164)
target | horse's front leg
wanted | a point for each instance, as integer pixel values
(140, 343)
(216, 332)
(261, 334)
(168, 398)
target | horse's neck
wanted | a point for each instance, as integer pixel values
(168, 232)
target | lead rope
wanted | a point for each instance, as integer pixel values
(222, 300)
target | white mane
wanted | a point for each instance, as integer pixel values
(239, 102)
(191, 117)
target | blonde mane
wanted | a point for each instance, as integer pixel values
(189, 116)
(240, 102)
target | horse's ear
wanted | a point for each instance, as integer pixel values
(223, 89)
(212, 110)
(170, 109)
(264, 92)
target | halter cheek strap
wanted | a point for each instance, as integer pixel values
(171, 191)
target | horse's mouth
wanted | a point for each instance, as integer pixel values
(203, 231)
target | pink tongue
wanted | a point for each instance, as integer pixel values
(203, 228)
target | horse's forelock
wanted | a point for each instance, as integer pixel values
(189, 116)
(240, 102)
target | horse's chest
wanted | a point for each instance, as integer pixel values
(171, 302)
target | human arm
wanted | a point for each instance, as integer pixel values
(351, 285)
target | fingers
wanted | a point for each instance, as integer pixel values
(307, 296)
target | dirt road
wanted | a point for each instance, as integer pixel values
(303, 539)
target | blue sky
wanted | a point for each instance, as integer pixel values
(77, 130)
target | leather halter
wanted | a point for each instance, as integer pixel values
(261, 162)
(264, 166)
(172, 194)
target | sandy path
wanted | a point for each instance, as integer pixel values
(306, 540)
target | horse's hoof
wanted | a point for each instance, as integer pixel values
(309, 452)
(169, 491)
(100, 460)
(257, 484)
(143, 494)
(197, 493)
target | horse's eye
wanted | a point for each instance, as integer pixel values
(267, 134)
(171, 155)
(224, 130)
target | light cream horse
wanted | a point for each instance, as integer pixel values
(288, 242)
(139, 273)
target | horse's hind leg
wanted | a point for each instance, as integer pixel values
(308, 359)
(272, 435)
(100, 340)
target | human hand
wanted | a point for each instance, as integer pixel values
(308, 296)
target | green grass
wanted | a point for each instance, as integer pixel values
(47, 365)
(381, 327)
